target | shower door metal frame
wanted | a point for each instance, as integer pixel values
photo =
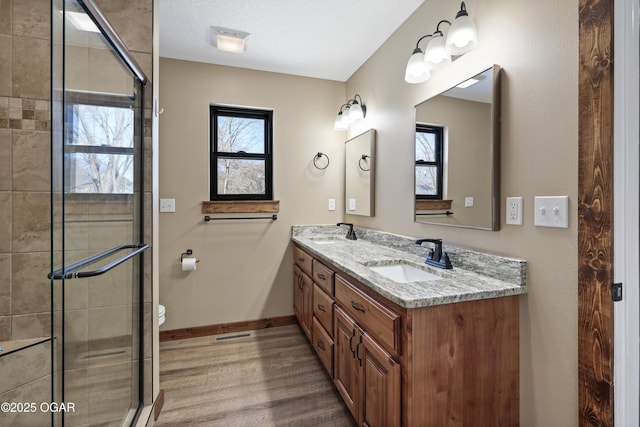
(137, 249)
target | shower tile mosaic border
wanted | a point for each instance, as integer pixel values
(25, 113)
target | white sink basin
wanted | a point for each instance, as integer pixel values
(326, 240)
(404, 273)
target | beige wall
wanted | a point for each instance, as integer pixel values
(245, 270)
(536, 44)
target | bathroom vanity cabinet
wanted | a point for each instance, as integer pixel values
(453, 364)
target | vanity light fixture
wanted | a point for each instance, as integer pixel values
(417, 71)
(463, 35)
(341, 123)
(350, 113)
(436, 56)
(462, 38)
(228, 40)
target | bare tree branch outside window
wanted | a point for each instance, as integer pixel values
(238, 176)
(426, 176)
(100, 147)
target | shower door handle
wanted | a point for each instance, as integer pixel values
(70, 272)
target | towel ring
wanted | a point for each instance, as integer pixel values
(319, 156)
(364, 157)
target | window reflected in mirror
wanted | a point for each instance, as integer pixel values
(429, 161)
(457, 146)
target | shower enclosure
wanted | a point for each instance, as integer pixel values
(97, 217)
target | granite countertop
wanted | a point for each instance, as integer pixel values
(475, 275)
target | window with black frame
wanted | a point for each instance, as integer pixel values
(99, 143)
(429, 163)
(241, 154)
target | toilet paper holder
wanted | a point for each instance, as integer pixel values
(188, 252)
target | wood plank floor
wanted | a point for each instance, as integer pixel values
(271, 378)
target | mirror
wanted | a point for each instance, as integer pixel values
(360, 153)
(457, 155)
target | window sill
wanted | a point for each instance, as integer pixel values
(432, 205)
(248, 206)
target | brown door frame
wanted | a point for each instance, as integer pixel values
(595, 213)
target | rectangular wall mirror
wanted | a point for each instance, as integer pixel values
(457, 155)
(359, 171)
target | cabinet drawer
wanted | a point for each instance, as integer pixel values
(323, 308)
(323, 276)
(302, 260)
(323, 344)
(373, 317)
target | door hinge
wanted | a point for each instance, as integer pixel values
(616, 292)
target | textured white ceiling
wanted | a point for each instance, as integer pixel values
(328, 39)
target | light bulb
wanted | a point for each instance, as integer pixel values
(462, 36)
(339, 124)
(436, 56)
(355, 112)
(346, 116)
(416, 71)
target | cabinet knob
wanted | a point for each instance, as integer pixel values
(321, 276)
(321, 308)
(320, 345)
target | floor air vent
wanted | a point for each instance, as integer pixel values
(233, 336)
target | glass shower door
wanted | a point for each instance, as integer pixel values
(97, 212)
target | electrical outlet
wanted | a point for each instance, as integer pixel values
(514, 210)
(332, 204)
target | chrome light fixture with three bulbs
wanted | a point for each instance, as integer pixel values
(350, 112)
(461, 38)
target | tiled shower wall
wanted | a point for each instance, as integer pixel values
(25, 298)
(25, 301)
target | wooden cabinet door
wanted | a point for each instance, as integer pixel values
(303, 299)
(380, 385)
(345, 366)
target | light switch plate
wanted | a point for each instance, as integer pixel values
(551, 211)
(514, 210)
(167, 205)
(468, 202)
(352, 204)
(332, 204)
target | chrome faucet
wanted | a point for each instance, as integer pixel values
(436, 256)
(351, 235)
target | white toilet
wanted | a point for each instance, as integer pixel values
(161, 314)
